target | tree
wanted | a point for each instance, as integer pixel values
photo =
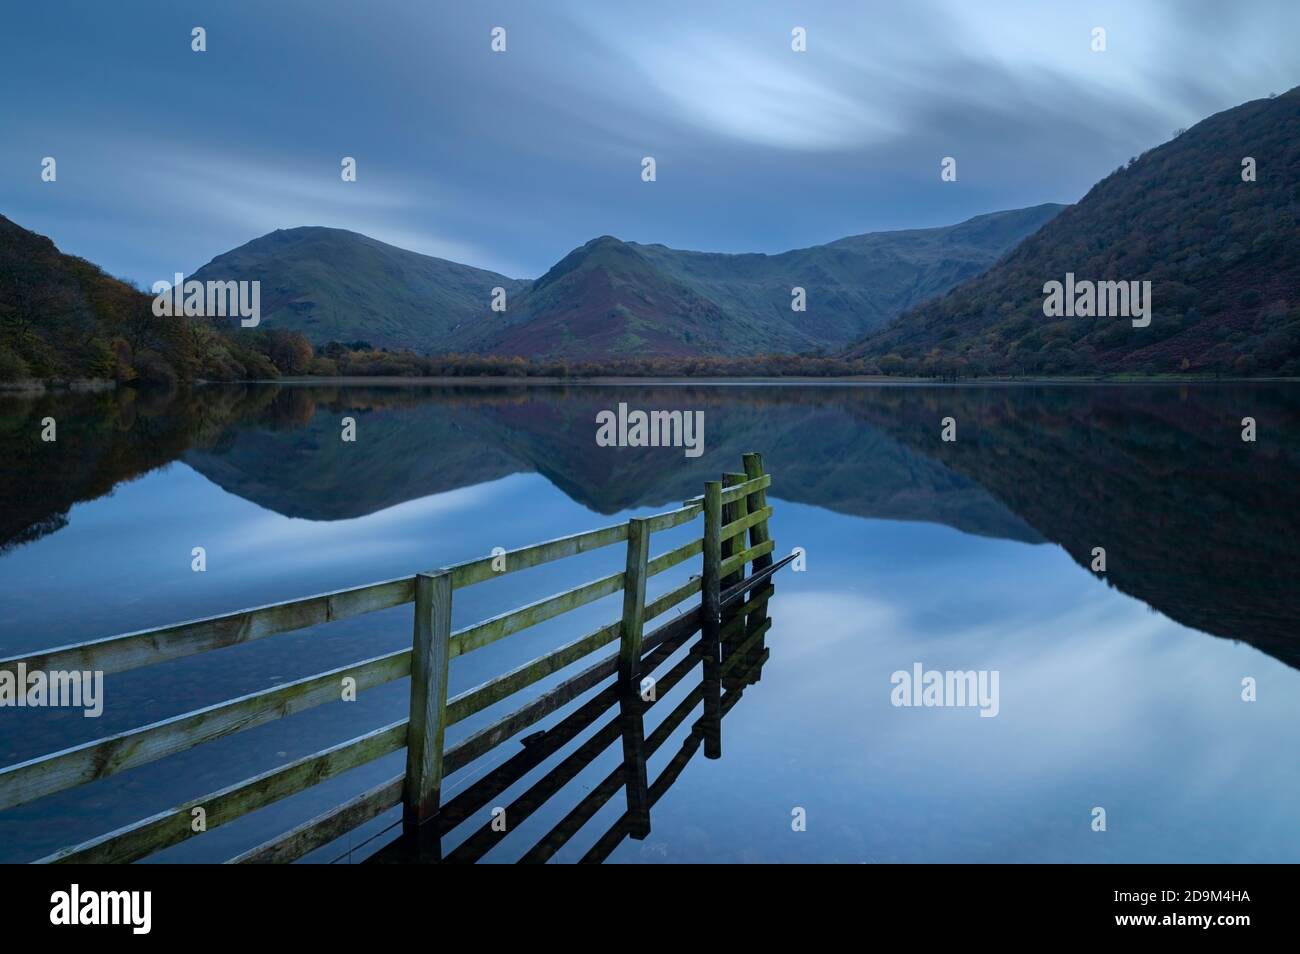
(291, 352)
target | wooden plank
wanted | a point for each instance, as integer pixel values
(664, 603)
(149, 835)
(430, 656)
(476, 571)
(507, 684)
(736, 492)
(674, 518)
(665, 561)
(100, 758)
(325, 828)
(498, 627)
(737, 562)
(737, 527)
(634, 575)
(149, 646)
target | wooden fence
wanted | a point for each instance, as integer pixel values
(735, 514)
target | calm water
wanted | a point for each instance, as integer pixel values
(1120, 690)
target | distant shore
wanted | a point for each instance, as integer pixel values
(29, 387)
(884, 379)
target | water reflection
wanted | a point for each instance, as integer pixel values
(723, 662)
(1199, 525)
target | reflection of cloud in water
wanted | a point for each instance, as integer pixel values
(360, 538)
(818, 622)
(1094, 685)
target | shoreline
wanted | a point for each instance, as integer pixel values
(36, 388)
(751, 381)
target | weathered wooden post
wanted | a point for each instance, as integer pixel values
(638, 554)
(731, 629)
(710, 619)
(631, 708)
(730, 513)
(759, 533)
(430, 656)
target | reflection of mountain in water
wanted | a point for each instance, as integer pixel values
(404, 451)
(1196, 523)
(102, 439)
(421, 443)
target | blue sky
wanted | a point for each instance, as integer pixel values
(167, 157)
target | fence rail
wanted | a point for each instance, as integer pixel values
(733, 517)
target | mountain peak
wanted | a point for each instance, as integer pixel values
(337, 285)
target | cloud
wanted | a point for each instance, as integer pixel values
(508, 161)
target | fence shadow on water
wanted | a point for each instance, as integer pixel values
(718, 669)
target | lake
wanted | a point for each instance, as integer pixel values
(1119, 690)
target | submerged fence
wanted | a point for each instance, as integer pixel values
(735, 534)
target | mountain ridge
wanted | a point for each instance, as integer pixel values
(1222, 255)
(609, 297)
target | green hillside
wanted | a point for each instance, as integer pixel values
(1222, 256)
(335, 285)
(62, 318)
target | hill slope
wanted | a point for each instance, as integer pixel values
(336, 285)
(63, 318)
(611, 298)
(1222, 254)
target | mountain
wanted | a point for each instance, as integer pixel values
(62, 317)
(610, 298)
(1222, 256)
(335, 285)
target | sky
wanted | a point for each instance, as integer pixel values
(167, 157)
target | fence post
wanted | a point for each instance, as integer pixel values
(758, 533)
(730, 630)
(632, 723)
(710, 608)
(430, 656)
(638, 553)
(732, 512)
